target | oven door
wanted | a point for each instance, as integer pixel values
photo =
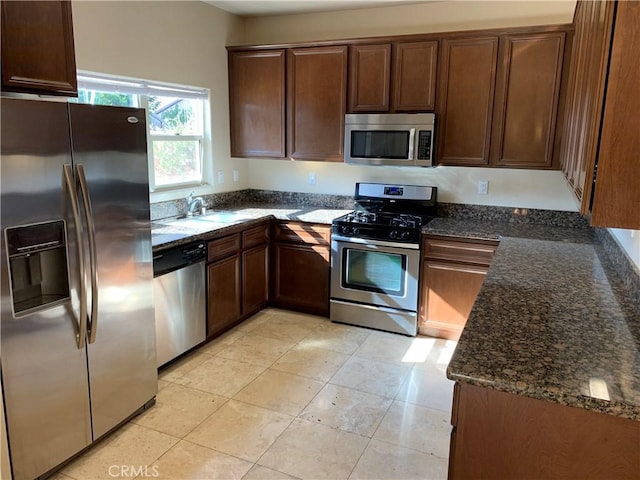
(377, 273)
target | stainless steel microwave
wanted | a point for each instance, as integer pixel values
(389, 139)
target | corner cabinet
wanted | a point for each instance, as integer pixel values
(300, 267)
(396, 77)
(37, 49)
(453, 271)
(316, 102)
(256, 101)
(237, 276)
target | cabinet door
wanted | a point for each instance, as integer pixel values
(316, 94)
(301, 278)
(224, 294)
(585, 96)
(415, 76)
(256, 103)
(465, 100)
(448, 293)
(617, 190)
(527, 94)
(37, 48)
(369, 77)
(254, 279)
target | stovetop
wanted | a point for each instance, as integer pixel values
(398, 227)
(388, 212)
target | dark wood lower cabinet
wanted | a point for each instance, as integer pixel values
(498, 435)
(301, 280)
(224, 294)
(453, 271)
(450, 291)
(237, 277)
(300, 267)
(255, 280)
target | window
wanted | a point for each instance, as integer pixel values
(175, 124)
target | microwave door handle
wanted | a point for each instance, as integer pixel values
(81, 330)
(412, 150)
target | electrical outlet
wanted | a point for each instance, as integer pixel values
(220, 176)
(312, 178)
(236, 175)
(483, 187)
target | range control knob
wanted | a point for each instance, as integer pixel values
(404, 235)
(355, 231)
(393, 234)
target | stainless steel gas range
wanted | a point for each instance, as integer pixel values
(375, 257)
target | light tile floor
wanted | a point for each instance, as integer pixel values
(287, 395)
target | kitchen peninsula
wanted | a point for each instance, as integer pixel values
(548, 366)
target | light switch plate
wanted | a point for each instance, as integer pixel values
(483, 187)
(236, 175)
(312, 178)
(220, 176)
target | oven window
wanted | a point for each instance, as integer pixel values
(393, 144)
(374, 271)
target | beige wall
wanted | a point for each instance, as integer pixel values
(179, 42)
(436, 16)
(514, 188)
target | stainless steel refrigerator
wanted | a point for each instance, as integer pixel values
(77, 330)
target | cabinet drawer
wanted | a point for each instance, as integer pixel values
(302, 233)
(469, 251)
(223, 247)
(255, 236)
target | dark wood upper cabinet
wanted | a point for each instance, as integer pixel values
(527, 94)
(257, 103)
(600, 126)
(406, 83)
(593, 23)
(369, 77)
(414, 79)
(617, 190)
(465, 100)
(37, 48)
(496, 94)
(316, 102)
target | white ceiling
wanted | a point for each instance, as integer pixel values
(286, 7)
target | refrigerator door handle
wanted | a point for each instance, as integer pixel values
(93, 261)
(81, 331)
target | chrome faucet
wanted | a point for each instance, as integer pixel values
(192, 204)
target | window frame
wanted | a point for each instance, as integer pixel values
(141, 91)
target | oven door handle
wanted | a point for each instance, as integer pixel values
(381, 243)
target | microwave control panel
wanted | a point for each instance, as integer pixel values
(424, 145)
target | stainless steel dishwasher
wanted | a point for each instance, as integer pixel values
(180, 299)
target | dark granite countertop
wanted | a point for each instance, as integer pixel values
(552, 321)
(170, 232)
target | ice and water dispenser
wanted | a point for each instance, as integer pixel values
(37, 266)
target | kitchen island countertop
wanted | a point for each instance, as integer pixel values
(552, 321)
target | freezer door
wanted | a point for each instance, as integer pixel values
(109, 145)
(44, 373)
